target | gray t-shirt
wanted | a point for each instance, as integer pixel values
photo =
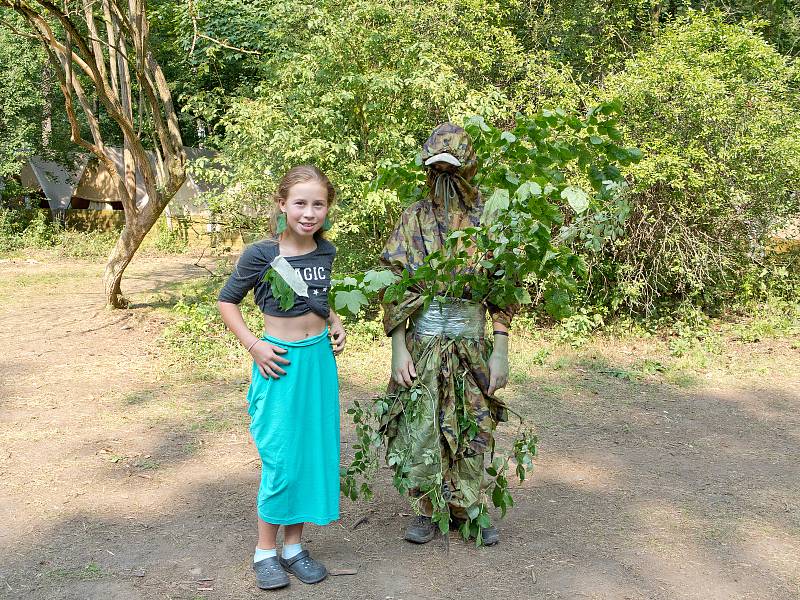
(314, 268)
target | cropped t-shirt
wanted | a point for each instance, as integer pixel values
(314, 268)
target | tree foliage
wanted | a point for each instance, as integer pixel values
(714, 109)
(356, 86)
(351, 86)
(32, 117)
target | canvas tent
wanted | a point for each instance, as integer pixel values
(57, 182)
(87, 184)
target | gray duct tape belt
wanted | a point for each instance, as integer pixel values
(452, 319)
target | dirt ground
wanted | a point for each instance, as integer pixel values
(125, 477)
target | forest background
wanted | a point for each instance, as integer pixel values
(668, 463)
(708, 92)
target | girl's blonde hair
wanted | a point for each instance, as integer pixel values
(295, 175)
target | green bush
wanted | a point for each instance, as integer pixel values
(33, 228)
(23, 228)
(714, 108)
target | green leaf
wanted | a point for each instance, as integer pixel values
(508, 137)
(479, 122)
(635, 154)
(556, 303)
(498, 201)
(377, 280)
(576, 197)
(497, 496)
(281, 290)
(528, 189)
(351, 301)
(522, 296)
(473, 511)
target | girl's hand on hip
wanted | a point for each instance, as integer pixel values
(338, 336)
(267, 357)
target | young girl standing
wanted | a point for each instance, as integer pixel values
(294, 393)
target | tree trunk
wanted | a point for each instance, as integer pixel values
(47, 109)
(127, 244)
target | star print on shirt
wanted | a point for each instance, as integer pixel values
(316, 292)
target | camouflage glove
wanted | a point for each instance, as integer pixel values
(498, 364)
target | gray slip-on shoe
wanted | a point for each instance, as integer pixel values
(269, 574)
(421, 530)
(305, 568)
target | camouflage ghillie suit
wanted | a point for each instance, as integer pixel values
(449, 423)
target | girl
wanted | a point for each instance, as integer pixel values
(294, 393)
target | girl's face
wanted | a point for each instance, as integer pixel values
(306, 207)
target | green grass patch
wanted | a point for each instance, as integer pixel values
(90, 572)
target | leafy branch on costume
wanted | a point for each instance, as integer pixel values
(551, 182)
(356, 478)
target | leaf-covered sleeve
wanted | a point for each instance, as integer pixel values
(395, 256)
(504, 316)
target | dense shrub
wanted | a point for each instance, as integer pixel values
(713, 107)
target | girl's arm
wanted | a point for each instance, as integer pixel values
(338, 334)
(265, 355)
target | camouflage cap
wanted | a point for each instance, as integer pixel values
(452, 139)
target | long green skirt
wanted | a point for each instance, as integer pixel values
(295, 426)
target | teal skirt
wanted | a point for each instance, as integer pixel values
(295, 426)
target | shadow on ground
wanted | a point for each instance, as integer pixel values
(644, 494)
(641, 490)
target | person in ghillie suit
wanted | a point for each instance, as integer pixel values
(446, 424)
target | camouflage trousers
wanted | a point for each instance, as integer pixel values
(438, 431)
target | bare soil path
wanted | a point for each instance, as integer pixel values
(124, 477)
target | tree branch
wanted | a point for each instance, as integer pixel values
(94, 37)
(16, 31)
(224, 45)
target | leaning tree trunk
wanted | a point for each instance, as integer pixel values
(130, 238)
(74, 42)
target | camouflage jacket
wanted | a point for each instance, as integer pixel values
(425, 225)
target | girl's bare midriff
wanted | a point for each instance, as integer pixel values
(293, 329)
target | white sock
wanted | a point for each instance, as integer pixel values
(291, 550)
(262, 554)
